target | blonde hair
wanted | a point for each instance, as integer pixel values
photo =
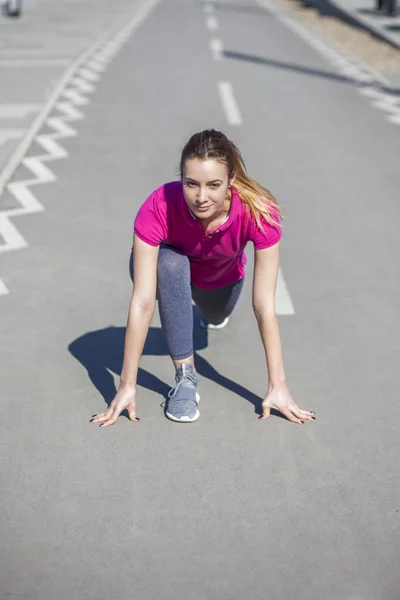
(259, 202)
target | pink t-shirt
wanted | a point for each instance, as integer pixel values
(216, 258)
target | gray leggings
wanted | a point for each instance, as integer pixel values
(175, 293)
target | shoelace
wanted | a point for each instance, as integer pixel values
(186, 377)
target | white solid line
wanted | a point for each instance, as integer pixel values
(46, 62)
(17, 111)
(3, 288)
(26, 143)
(216, 49)
(283, 302)
(212, 23)
(229, 103)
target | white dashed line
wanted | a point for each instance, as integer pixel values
(229, 103)
(212, 23)
(283, 302)
(3, 289)
(216, 49)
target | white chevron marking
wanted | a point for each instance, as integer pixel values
(75, 97)
(52, 147)
(28, 203)
(14, 240)
(69, 111)
(83, 86)
(88, 74)
(62, 128)
(95, 65)
(80, 80)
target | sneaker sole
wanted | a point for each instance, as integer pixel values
(185, 419)
(205, 325)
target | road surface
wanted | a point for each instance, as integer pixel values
(229, 507)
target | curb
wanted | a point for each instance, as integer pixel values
(347, 15)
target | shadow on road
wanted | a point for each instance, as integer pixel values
(101, 353)
(289, 67)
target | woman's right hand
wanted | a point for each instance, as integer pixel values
(124, 399)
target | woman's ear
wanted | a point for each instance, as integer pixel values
(231, 180)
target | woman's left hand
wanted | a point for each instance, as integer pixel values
(280, 399)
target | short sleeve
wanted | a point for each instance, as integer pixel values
(268, 235)
(150, 221)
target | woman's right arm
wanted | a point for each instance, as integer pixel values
(141, 310)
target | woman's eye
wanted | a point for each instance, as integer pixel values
(215, 186)
(190, 184)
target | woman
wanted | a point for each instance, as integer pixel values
(189, 239)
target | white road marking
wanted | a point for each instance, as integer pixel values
(359, 72)
(216, 48)
(46, 62)
(283, 302)
(83, 86)
(14, 240)
(212, 23)
(65, 98)
(18, 111)
(3, 289)
(229, 103)
(10, 134)
(29, 52)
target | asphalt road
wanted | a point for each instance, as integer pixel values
(228, 507)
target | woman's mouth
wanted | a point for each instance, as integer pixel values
(201, 208)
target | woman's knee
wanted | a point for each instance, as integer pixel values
(172, 265)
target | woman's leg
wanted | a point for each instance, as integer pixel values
(174, 302)
(176, 315)
(216, 305)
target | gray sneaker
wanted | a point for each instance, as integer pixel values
(184, 397)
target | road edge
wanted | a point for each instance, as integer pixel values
(26, 142)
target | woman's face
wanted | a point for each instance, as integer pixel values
(205, 187)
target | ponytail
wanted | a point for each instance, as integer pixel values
(258, 201)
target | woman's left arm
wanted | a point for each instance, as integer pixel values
(266, 268)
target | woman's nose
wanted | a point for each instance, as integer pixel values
(202, 195)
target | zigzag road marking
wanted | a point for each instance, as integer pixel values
(79, 80)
